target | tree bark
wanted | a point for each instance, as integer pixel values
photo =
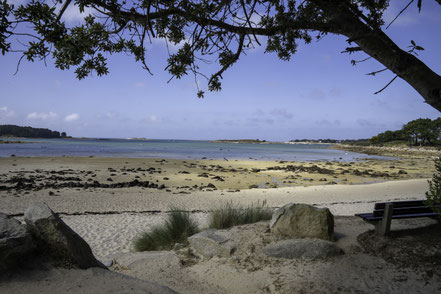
(378, 45)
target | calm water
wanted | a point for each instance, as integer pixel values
(176, 149)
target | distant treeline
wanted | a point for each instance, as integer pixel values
(28, 132)
(249, 141)
(333, 141)
(422, 131)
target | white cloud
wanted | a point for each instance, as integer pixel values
(72, 117)
(152, 119)
(327, 123)
(42, 115)
(139, 85)
(282, 113)
(107, 115)
(366, 123)
(335, 92)
(6, 112)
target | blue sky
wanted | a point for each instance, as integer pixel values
(318, 94)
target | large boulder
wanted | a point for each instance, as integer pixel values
(303, 249)
(210, 243)
(302, 221)
(57, 239)
(15, 242)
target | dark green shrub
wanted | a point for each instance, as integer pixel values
(434, 194)
(176, 229)
(229, 215)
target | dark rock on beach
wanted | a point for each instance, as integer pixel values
(58, 240)
(15, 242)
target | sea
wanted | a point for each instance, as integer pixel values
(177, 149)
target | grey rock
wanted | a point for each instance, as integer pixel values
(178, 246)
(210, 243)
(57, 239)
(107, 262)
(303, 249)
(151, 259)
(302, 221)
(15, 242)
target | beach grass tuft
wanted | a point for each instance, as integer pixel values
(229, 215)
(177, 228)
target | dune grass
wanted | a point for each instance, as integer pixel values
(229, 215)
(177, 228)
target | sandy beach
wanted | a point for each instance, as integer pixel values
(110, 201)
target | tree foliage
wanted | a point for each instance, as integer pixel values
(422, 131)
(206, 31)
(28, 132)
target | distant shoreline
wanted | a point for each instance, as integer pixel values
(390, 151)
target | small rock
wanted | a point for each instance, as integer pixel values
(178, 246)
(142, 260)
(108, 262)
(303, 248)
(210, 243)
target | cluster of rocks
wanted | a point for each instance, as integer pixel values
(30, 184)
(208, 187)
(45, 236)
(306, 233)
(301, 168)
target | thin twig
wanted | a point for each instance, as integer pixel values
(408, 4)
(375, 72)
(231, 61)
(63, 9)
(386, 85)
(18, 64)
(248, 19)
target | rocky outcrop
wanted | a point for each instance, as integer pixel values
(15, 242)
(210, 243)
(303, 248)
(302, 221)
(58, 240)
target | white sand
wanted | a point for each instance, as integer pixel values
(250, 271)
(114, 233)
(111, 233)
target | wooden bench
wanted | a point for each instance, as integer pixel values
(384, 212)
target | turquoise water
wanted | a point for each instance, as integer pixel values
(176, 149)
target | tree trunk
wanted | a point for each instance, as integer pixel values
(377, 44)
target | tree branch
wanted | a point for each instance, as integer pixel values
(234, 58)
(386, 85)
(63, 9)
